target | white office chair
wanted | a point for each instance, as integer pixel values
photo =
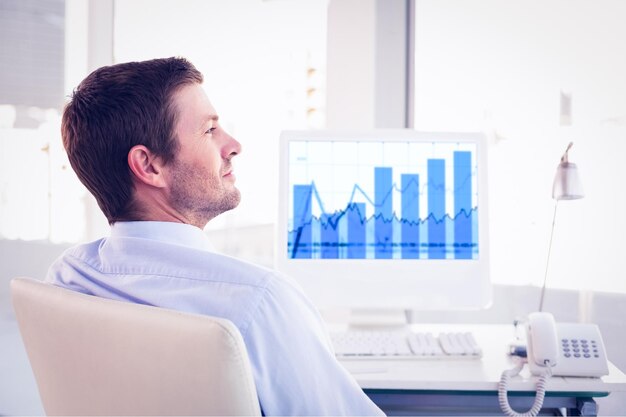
(93, 356)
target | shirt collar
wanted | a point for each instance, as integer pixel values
(169, 232)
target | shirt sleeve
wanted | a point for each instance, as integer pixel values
(295, 370)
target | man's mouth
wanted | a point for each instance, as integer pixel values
(228, 172)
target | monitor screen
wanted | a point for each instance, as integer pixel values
(385, 219)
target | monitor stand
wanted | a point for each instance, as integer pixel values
(380, 319)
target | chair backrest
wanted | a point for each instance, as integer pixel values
(94, 356)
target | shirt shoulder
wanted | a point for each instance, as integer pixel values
(138, 257)
(155, 273)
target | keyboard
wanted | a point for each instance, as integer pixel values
(405, 344)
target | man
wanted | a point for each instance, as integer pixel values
(145, 140)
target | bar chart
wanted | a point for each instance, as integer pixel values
(382, 200)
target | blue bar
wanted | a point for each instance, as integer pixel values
(410, 216)
(462, 205)
(356, 231)
(329, 244)
(302, 218)
(436, 209)
(383, 228)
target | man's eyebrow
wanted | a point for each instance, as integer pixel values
(207, 119)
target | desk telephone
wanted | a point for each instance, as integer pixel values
(556, 349)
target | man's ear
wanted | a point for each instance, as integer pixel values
(147, 167)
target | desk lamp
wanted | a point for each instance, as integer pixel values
(566, 186)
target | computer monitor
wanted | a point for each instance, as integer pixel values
(385, 219)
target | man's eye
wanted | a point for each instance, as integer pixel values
(211, 129)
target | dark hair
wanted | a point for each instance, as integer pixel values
(112, 110)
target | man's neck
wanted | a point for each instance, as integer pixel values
(154, 206)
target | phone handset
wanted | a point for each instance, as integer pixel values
(542, 353)
(542, 349)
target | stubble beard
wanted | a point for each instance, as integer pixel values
(201, 196)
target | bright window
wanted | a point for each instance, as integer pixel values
(40, 197)
(535, 75)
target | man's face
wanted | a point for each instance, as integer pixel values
(200, 178)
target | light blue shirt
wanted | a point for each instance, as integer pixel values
(171, 265)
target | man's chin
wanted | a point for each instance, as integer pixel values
(233, 199)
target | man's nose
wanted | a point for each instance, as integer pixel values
(232, 147)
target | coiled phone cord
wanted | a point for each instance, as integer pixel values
(502, 392)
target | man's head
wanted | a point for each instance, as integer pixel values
(145, 140)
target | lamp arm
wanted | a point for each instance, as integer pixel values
(545, 275)
(565, 157)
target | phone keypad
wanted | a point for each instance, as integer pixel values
(579, 348)
(581, 351)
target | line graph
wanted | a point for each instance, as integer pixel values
(382, 200)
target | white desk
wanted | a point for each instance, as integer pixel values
(421, 386)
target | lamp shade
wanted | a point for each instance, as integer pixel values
(567, 185)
